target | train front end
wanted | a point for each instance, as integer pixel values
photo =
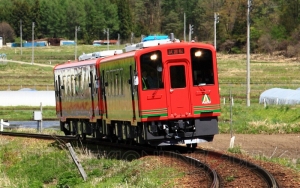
(179, 100)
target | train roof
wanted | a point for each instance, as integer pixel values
(155, 37)
(77, 63)
(133, 53)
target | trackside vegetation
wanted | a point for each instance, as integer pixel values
(36, 163)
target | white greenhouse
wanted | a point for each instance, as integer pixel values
(280, 96)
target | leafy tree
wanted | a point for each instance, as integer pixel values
(4, 4)
(20, 11)
(148, 16)
(289, 16)
(171, 24)
(6, 32)
(125, 18)
(76, 17)
(93, 22)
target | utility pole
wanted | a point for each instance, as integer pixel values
(216, 20)
(131, 38)
(77, 28)
(118, 40)
(248, 52)
(191, 31)
(21, 36)
(184, 28)
(32, 58)
(106, 31)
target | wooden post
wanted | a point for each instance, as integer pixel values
(75, 159)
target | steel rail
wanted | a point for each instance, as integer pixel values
(192, 161)
(268, 177)
(39, 136)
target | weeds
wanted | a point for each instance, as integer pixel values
(230, 178)
(293, 164)
(235, 149)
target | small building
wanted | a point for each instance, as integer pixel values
(67, 43)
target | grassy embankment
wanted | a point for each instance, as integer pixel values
(35, 163)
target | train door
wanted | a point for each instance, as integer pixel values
(178, 91)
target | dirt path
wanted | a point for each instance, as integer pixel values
(281, 145)
(36, 64)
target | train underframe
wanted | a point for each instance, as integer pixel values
(156, 133)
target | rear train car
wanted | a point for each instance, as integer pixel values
(162, 95)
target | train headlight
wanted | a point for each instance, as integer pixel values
(198, 53)
(153, 57)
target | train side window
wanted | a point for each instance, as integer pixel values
(73, 85)
(108, 83)
(69, 85)
(116, 83)
(64, 81)
(56, 88)
(121, 83)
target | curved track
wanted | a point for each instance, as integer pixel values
(192, 161)
(255, 169)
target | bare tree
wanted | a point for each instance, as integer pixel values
(7, 32)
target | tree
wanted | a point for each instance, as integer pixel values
(34, 14)
(7, 32)
(125, 18)
(20, 11)
(171, 23)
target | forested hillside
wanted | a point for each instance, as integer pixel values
(274, 23)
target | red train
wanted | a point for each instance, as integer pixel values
(161, 95)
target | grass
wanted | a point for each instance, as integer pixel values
(293, 164)
(257, 119)
(25, 113)
(235, 149)
(35, 163)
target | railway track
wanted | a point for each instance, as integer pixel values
(205, 162)
(254, 174)
(39, 136)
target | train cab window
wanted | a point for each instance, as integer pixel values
(202, 66)
(151, 70)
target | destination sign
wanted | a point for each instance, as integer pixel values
(175, 51)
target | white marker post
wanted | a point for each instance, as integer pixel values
(2, 123)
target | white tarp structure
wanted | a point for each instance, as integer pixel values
(280, 96)
(27, 98)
